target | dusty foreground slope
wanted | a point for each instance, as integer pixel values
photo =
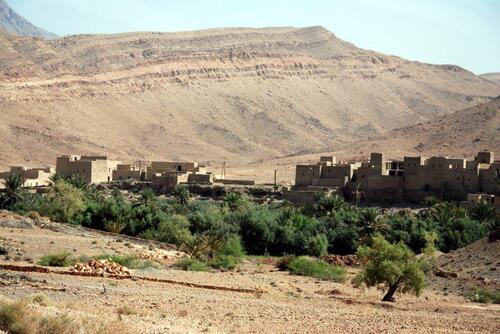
(222, 94)
(288, 304)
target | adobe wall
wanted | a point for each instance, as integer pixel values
(200, 178)
(126, 174)
(336, 172)
(304, 174)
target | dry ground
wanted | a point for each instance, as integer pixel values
(289, 304)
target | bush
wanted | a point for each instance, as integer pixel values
(16, 318)
(65, 202)
(129, 261)
(63, 259)
(480, 295)
(191, 265)
(258, 227)
(174, 230)
(228, 262)
(315, 268)
(460, 232)
(284, 261)
(232, 246)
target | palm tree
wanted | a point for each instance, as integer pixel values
(370, 223)
(325, 204)
(181, 194)
(13, 191)
(482, 211)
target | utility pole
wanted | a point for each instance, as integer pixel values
(275, 185)
(223, 171)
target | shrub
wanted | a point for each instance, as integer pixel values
(459, 232)
(394, 265)
(228, 262)
(409, 229)
(258, 227)
(65, 202)
(480, 295)
(284, 261)
(316, 245)
(174, 230)
(191, 265)
(343, 239)
(315, 268)
(15, 318)
(63, 259)
(232, 246)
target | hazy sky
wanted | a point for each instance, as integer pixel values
(462, 32)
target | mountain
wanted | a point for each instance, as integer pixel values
(234, 94)
(462, 133)
(12, 22)
(492, 76)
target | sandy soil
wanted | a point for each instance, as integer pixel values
(289, 304)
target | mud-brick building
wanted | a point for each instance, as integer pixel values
(32, 177)
(93, 169)
(128, 172)
(412, 179)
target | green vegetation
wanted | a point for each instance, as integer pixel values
(201, 228)
(306, 266)
(480, 295)
(191, 265)
(395, 266)
(63, 259)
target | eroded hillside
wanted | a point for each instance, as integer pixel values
(212, 95)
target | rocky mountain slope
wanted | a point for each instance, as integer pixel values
(492, 76)
(236, 94)
(11, 21)
(462, 133)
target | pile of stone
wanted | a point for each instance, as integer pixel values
(101, 267)
(341, 260)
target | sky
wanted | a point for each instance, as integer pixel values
(461, 32)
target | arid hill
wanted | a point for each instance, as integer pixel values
(492, 76)
(236, 94)
(462, 133)
(459, 134)
(13, 22)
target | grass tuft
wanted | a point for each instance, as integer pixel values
(63, 259)
(191, 265)
(480, 295)
(306, 266)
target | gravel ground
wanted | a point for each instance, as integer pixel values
(289, 304)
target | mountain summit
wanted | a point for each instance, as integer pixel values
(13, 22)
